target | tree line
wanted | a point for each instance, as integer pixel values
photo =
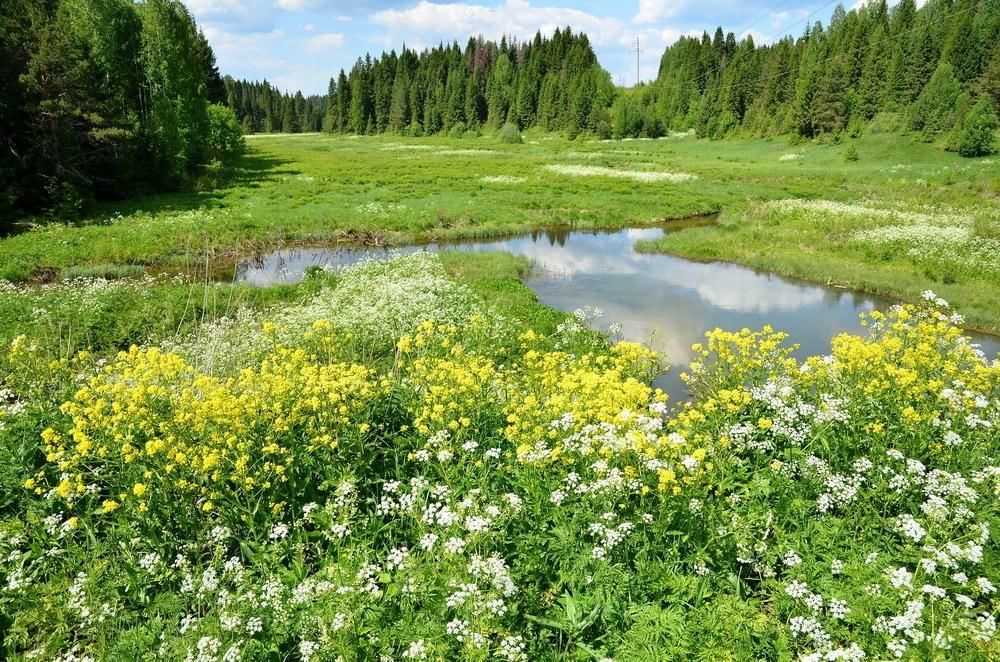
(903, 68)
(102, 99)
(261, 107)
(107, 98)
(933, 70)
(550, 82)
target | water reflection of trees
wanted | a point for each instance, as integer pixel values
(555, 236)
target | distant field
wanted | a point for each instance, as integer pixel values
(315, 188)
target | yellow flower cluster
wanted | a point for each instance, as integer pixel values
(150, 428)
(912, 357)
(913, 371)
(450, 384)
(592, 388)
(729, 359)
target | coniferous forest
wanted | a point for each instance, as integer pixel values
(103, 99)
(903, 68)
(108, 98)
(261, 107)
(934, 71)
(554, 83)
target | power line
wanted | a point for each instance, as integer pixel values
(783, 30)
(805, 18)
(763, 16)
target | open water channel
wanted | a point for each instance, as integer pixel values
(668, 301)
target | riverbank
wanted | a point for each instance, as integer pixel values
(392, 191)
(867, 247)
(413, 459)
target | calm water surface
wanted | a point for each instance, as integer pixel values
(656, 298)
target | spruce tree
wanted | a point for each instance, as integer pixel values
(978, 137)
(831, 99)
(933, 111)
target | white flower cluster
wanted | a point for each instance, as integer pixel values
(644, 176)
(503, 179)
(380, 209)
(863, 211)
(608, 535)
(10, 406)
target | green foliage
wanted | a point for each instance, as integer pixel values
(550, 82)
(261, 107)
(431, 472)
(225, 135)
(176, 133)
(101, 99)
(978, 131)
(867, 61)
(934, 110)
(312, 190)
(510, 134)
(851, 153)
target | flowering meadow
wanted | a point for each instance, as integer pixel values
(392, 469)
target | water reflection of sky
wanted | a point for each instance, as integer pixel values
(667, 300)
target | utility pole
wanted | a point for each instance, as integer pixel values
(637, 52)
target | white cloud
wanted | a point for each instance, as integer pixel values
(263, 55)
(654, 11)
(322, 43)
(431, 21)
(300, 5)
(243, 16)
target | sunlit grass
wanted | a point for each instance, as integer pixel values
(392, 190)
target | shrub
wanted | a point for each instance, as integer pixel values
(457, 130)
(886, 122)
(510, 134)
(978, 137)
(851, 153)
(225, 134)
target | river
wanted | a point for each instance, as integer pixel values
(665, 300)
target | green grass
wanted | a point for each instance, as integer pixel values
(389, 190)
(352, 483)
(108, 317)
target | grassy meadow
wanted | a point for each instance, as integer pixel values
(413, 459)
(314, 188)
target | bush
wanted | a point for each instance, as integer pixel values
(225, 134)
(978, 137)
(510, 134)
(851, 154)
(457, 130)
(886, 122)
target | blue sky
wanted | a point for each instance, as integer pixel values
(300, 44)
